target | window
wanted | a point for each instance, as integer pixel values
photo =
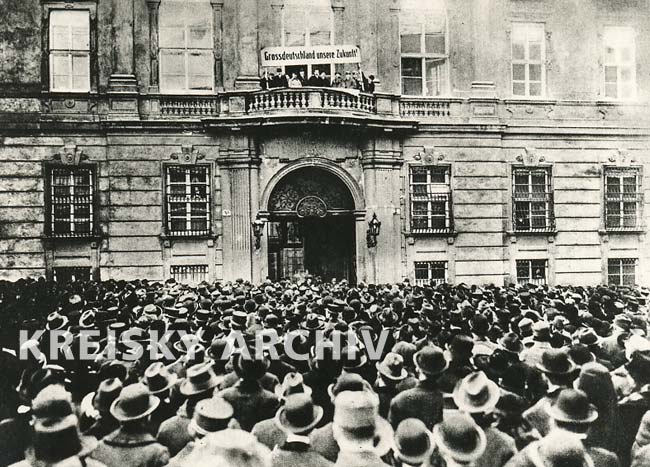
(430, 272)
(532, 199)
(188, 200)
(532, 271)
(308, 23)
(430, 199)
(528, 55)
(189, 274)
(186, 46)
(71, 202)
(621, 271)
(619, 63)
(623, 198)
(66, 275)
(69, 50)
(424, 48)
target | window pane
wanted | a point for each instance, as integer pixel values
(419, 175)
(611, 90)
(200, 70)
(61, 71)
(60, 37)
(199, 37)
(81, 72)
(518, 72)
(518, 51)
(80, 37)
(521, 182)
(535, 89)
(172, 69)
(411, 43)
(519, 89)
(611, 73)
(522, 215)
(435, 44)
(172, 37)
(438, 176)
(420, 208)
(535, 51)
(436, 76)
(412, 67)
(535, 72)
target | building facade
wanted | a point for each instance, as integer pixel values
(505, 141)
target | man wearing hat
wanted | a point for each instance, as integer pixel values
(363, 436)
(424, 401)
(210, 416)
(390, 374)
(541, 342)
(160, 383)
(250, 401)
(100, 403)
(132, 444)
(199, 384)
(413, 444)
(297, 418)
(478, 396)
(460, 441)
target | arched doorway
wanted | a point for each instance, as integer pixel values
(311, 226)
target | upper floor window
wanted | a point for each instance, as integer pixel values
(70, 201)
(532, 199)
(69, 46)
(623, 198)
(424, 48)
(619, 63)
(186, 46)
(188, 200)
(528, 56)
(307, 23)
(430, 191)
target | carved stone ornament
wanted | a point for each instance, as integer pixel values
(429, 156)
(308, 189)
(71, 155)
(311, 206)
(621, 157)
(188, 155)
(530, 157)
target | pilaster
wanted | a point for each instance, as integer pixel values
(247, 45)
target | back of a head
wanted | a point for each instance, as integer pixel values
(596, 381)
(559, 450)
(228, 448)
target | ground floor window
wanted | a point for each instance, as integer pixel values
(72, 274)
(621, 271)
(532, 271)
(190, 274)
(430, 272)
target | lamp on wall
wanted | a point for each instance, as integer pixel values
(374, 226)
(258, 231)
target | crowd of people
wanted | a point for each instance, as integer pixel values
(353, 80)
(517, 376)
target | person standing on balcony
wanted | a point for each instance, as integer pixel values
(302, 77)
(265, 80)
(279, 80)
(314, 80)
(348, 82)
(337, 82)
(294, 81)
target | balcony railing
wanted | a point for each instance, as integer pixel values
(424, 107)
(310, 98)
(189, 106)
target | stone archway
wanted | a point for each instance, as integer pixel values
(313, 220)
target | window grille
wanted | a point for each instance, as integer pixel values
(621, 271)
(430, 191)
(188, 200)
(67, 275)
(532, 200)
(71, 202)
(623, 198)
(532, 271)
(430, 272)
(189, 274)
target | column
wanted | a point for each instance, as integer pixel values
(247, 45)
(240, 193)
(381, 173)
(153, 7)
(389, 52)
(122, 84)
(338, 7)
(217, 21)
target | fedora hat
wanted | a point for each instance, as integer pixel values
(347, 382)
(52, 402)
(413, 442)
(106, 393)
(210, 415)
(431, 360)
(57, 439)
(199, 378)
(475, 393)
(572, 406)
(353, 357)
(388, 318)
(250, 367)
(556, 362)
(238, 320)
(292, 384)
(392, 367)
(299, 414)
(356, 419)
(460, 438)
(511, 342)
(134, 403)
(158, 378)
(56, 321)
(313, 322)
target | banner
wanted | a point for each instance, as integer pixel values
(282, 56)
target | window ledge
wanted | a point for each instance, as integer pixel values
(622, 231)
(94, 240)
(167, 238)
(432, 233)
(528, 233)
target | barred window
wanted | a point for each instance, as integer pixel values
(430, 272)
(532, 199)
(430, 193)
(66, 275)
(528, 56)
(621, 271)
(623, 198)
(619, 67)
(71, 202)
(70, 50)
(532, 271)
(188, 200)
(189, 274)
(186, 46)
